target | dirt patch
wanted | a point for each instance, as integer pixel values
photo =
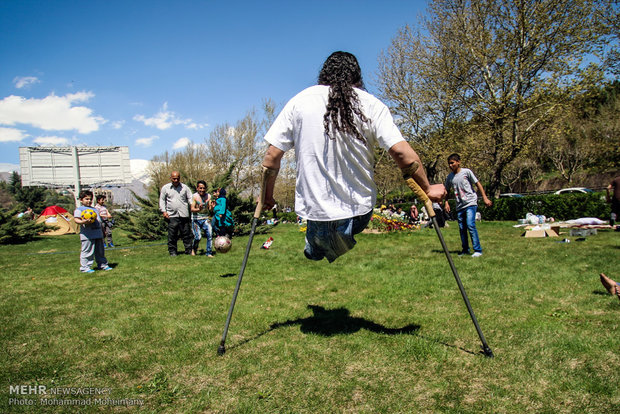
(372, 231)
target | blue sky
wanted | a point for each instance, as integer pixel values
(155, 75)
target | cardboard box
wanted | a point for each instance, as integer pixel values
(542, 231)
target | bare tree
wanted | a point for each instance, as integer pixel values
(568, 150)
(587, 134)
(420, 86)
(241, 145)
(284, 192)
(604, 132)
(191, 162)
(387, 175)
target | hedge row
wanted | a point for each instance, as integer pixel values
(560, 207)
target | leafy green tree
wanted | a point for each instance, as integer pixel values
(33, 197)
(53, 198)
(241, 208)
(7, 199)
(146, 222)
(36, 198)
(480, 71)
(15, 183)
(608, 18)
(14, 230)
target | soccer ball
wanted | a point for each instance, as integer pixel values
(89, 215)
(222, 244)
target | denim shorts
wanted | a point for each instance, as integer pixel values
(331, 239)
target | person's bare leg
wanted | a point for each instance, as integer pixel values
(611, 286)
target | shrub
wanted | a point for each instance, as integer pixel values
(560, 207)
(145, 223)
(291, 217)
(15, 230)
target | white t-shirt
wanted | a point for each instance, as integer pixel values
(335, 177)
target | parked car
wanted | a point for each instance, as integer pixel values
(573, 190)
(510, 195)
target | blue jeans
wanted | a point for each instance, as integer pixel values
(198, 226)
(332, 239)
(467, 223)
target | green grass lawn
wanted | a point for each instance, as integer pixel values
(382, 329)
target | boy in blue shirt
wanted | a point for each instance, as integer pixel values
(91, 236)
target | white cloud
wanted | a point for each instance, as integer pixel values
(181, 143)
(52, 140)
(146, 142)
(165, 119)
(25, 81)
(11, 134)
(194, 125)
(56, 113)
(117, 124)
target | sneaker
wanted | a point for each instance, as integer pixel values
(476, 254)
(463, 254)
(105, 267)
(111, 245)
(88, 271)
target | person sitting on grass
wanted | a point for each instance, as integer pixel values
(91, 236)
(612, 287)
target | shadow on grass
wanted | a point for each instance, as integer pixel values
(228, 275)
(328, 322)
(452, 253)
(333, 322)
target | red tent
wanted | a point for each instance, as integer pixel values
(53, 210)
(60, 218)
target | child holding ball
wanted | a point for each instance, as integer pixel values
(91, 235)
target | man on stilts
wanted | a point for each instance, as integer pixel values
(334, 127)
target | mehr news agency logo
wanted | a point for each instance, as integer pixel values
(32, 395)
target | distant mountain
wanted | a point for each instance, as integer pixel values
(5, 176)
(122, 195)
(139, 170)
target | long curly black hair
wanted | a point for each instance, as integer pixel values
(341, 72)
